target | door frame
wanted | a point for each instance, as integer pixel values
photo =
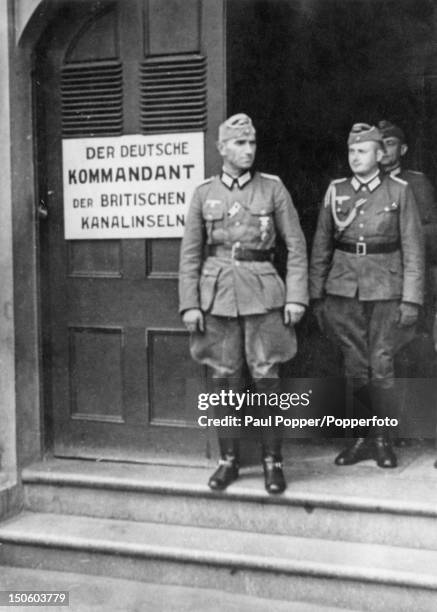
(34, 429)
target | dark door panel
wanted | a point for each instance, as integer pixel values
(119, 381)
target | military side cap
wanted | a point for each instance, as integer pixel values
(363, 132)
(389, 129)
(237, 126)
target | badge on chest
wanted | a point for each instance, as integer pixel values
(234, 210)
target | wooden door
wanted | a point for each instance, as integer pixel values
(119, 381)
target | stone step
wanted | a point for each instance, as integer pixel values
(367, 577)
(99, 594)
(352, 504)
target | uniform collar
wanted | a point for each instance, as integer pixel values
(371, 184)
(395, 171)
(230, 181)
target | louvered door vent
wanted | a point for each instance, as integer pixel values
(92, 99)
(173, 94)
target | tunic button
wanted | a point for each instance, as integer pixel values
(237, 244)
(386, 209)
(361, 238)
(361, 224)
(361, 212)
(237, 223)
(364, 188)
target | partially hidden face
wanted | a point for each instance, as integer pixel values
(394, 149)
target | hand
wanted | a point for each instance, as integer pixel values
(317, 308)
(408, 314)
(293, 313)
(193, 320)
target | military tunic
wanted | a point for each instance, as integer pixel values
(368, 286)
(247, 212)
(423, 193)
(427, 206)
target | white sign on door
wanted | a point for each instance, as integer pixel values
(132, 186)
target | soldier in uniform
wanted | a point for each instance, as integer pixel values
(232, 299)
(415, 358)
(391, 163)
(366, 278)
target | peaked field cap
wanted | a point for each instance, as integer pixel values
(389, 129)
(363, 132)
(235, 127)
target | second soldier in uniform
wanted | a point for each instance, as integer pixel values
(367, 276)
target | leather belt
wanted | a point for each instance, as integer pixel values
(240, 253)
(362, 248)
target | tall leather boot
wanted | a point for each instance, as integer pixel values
(274, 479)
(228, 439)
(361, 448)
(227, 470)
(383, 453)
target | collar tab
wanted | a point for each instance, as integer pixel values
(240, 181)
(371, 184)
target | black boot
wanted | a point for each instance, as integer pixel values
(384, 406)
(228, 438)
(360, 450)
(273, 475)
(383, 452)
(272, 463)
(228, 466)
(271, 438)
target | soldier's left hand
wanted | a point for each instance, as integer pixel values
(293, 313)
(408, 314)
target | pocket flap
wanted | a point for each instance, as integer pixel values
(210, 271)
(260, 209)
(266, 272)
(213, 210)
(389, 208)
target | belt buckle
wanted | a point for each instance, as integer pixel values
(361, 248)
(235, 247)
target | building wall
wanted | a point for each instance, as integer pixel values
(7, 344)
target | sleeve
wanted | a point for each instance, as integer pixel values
(425, 199)
(288, 226)
(427, 205)
(322, 250)
(412, 248)
(191, 256)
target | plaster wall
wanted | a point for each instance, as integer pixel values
(7, 345)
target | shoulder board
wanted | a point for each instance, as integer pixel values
(398, 180)
(208, 180)
(270, 176)
(335, 181)
(416, 172)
